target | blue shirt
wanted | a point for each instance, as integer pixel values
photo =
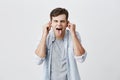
(72, 70)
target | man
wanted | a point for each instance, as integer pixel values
(59, 48)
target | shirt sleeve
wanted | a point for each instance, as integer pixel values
(38, 60)
(82, 57)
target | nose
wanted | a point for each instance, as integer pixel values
(59, 23)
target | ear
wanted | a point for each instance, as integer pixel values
(68, 23)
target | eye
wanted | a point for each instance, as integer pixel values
(55, 21)
(63, 21)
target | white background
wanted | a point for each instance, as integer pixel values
(98, 22)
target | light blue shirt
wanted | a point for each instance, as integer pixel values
(72, 69)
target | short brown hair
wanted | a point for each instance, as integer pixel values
(58, 11)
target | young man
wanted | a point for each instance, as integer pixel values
(59, 48)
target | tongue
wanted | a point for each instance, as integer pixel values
(59, 32)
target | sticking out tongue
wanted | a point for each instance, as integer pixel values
(59, 30)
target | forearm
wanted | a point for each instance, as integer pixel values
(78, 49)
(41, 49)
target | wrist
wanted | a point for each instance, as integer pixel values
(44, 35)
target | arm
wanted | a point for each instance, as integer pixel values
(41, 49)
(40, 52)
(79, 51)
(78, 48)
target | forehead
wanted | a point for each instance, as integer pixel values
(59, 17)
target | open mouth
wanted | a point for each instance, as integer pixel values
(59, 31)
(58, 28)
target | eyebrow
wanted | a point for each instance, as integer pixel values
(60, 20)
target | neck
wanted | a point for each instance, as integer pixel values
(59, 38)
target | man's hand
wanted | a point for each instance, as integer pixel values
(72, 27)
(78, 49)
(47, 28)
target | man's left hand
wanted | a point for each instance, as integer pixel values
(72, 27)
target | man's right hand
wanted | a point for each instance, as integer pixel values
(46, 29)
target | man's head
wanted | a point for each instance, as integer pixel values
(58, 11)
(59, 19)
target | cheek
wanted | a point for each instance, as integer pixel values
(65, 25)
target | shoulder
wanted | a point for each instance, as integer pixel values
(77, 33)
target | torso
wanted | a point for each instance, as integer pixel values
(58, 61)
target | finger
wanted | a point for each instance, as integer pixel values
(48, 28)
(69, 26)
(68, 22)
(50, 24)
